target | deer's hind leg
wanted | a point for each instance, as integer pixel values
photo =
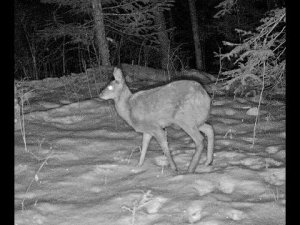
(197, 137)
(208, 130)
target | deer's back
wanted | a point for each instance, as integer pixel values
(180, 100)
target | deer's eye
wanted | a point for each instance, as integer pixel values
(110, 87)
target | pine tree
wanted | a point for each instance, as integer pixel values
(130, 18)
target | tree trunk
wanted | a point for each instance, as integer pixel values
(100, 33)
(163, 39)
(195, 27)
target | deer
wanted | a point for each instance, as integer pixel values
(184, 103)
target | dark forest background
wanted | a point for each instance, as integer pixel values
(241, 41)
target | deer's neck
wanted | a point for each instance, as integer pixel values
(122, 104)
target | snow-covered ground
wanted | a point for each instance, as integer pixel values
(80, 168)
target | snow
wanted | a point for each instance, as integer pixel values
(81, 166)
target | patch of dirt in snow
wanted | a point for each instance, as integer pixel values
(84, 171)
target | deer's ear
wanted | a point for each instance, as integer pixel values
(118, 75)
